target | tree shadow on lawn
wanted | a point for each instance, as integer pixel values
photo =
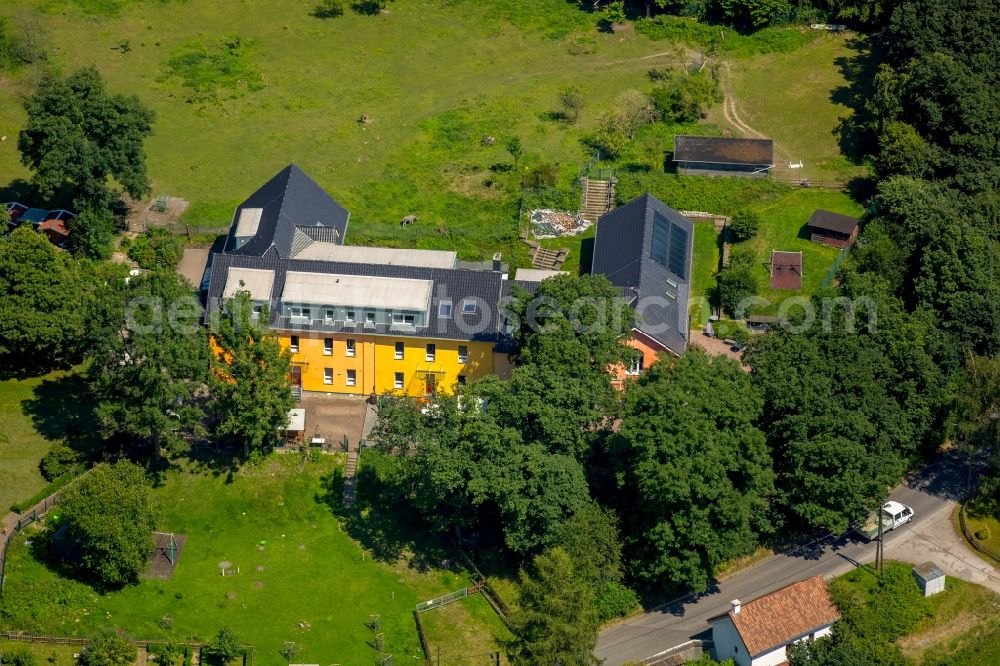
(854, 134)
(388, 529)
(63, 409)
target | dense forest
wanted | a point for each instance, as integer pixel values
(700, 462)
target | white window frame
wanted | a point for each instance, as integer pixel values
(430, 352)
(329, 315)
(256, 311)
(400, 351)
(398, 380)
(303, 312)
(349, 317)
(403, 319)
(463, 357)
(293, 344)
(445, 305)
(635, 366)
(369, 319)
(351, 378)
(352, 348)
(328, 376)
(469, 306)
(327, 346)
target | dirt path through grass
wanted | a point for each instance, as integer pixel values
(731, 113)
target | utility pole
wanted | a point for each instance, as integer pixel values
(879, 555)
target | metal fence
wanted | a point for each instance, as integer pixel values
(830, 274)
(448, 598)
(23, 522)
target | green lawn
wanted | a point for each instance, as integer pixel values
(793, 98)
(311, 583)
(434, 78)
(704, 266)
(961, 629)
(21, 444)
(454, 631)
(783, 227)
(55, 655)
(983, 516)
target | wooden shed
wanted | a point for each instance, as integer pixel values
(833, 229)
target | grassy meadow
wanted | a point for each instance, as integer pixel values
(317, 575)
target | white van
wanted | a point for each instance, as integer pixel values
(894, 514)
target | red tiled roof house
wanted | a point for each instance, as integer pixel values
(756, 633)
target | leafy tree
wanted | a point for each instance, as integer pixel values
(110, 513)
(150, 378)
(166, 653)
(694, 472)
(553, 623)
(975, 412)
(58, 460)
(92, 234)
(329, 9)
(634, 110)
(738, 280)
(754, 13)
(684, 97)
(744, 224)
(110, 649)
(43, 305)
(610, 137)
(572, 101)
(78, 136)
(515, 149)
(250, 377)
(225, 647)
(157, 248)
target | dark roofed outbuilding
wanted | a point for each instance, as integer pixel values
(832, 228)
(724, 156)
(270, 216)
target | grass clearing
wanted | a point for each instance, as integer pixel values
(21, 444)
(982, 517)
(454, 632)
(313, 582)
(783, 227)
(793, 97)
(961, 627)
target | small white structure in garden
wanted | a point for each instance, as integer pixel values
(929, 577)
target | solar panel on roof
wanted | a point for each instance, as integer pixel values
(661, 238)
(678, 250)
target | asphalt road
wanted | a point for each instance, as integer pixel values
(931, 492)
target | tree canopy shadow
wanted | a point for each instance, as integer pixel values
(854, 134)
(62, 408)
(383, 522)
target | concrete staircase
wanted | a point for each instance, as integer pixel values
(350, 483)
(297, 393)
(598, 197)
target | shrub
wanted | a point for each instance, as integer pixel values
(614, 600)
(983, 533)
(157, 248)
(744, 225)
(225, 647)
(683, 97)
(329, 9)
(166, 653)
(18, 657)
(737, 281)
(110, 649)
(59, 460)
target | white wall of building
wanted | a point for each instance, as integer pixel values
(728, 643)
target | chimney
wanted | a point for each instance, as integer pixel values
(737, 605)
(497, 264)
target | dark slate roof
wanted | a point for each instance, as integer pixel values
(623, 254)
(449, 284)
(324, 234)
(290, 199)
(824, 219)
(722, 150)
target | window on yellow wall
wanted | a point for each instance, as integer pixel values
(463, 353)
(399, 351)
(350, 347)
(398, 380)
(328, 346)
(327, 375)
(461, 380)
(352, 377)
(431, 352)
(294, 344)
